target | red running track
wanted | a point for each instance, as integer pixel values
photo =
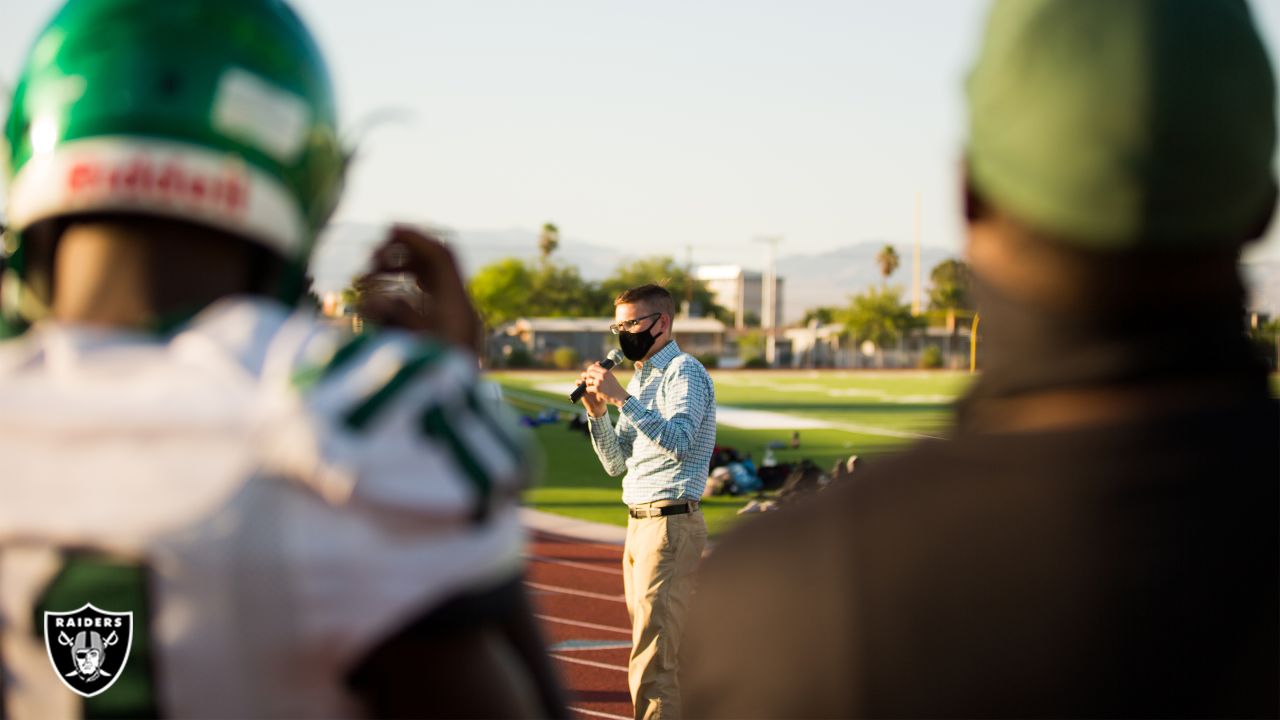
(576, 588)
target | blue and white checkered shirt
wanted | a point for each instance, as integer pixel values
(666, 430)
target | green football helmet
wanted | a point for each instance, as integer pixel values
(216, 112)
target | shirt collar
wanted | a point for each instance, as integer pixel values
(663, 357)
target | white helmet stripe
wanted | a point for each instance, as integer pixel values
(158, 177)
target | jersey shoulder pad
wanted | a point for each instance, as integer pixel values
(397, 418)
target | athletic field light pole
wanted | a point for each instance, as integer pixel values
(917, 306)
(769, 299)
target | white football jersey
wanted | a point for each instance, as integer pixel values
(269, 495)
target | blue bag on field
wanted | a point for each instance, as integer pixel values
(744, 481)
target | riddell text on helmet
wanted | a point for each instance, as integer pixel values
(170, 181)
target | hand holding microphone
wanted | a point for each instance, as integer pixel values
(599, 371)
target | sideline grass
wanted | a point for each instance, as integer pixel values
(575, 485)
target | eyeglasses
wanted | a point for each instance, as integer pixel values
(631, 325)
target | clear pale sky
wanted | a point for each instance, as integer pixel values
(650, 126)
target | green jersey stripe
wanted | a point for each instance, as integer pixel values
(436, 425)
(361, 415)
(308, 376)
(513, 445)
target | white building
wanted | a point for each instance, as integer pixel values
(739, 290)
(819, 345)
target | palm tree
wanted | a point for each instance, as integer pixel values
(548, 240)
(887, 259)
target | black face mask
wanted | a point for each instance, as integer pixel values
(635, 345)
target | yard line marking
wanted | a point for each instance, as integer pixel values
(767, 420)
(592, 663)
(571, 591)
(885, 432)
(574, 564)
(770, 420)
(597, 713)
(537, 399)
(580, 623)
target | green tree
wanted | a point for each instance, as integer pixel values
(823, 314)
(560, 291)
(510, 288)
(888, 261)
(751, 348)
(931, 358)
(565, 358)
(548, 240)
(661, 270)
(502, 291)
(519, 358)
(950, 286)
(1267, 339)
(878, 315)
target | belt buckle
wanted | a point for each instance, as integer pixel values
(688, 506)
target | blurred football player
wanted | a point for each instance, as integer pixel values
(303, 522)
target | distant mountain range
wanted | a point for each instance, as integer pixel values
(810, 280)
(829, 278)
(345, 248)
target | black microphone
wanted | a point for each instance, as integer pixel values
(614, 357)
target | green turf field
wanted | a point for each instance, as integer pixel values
(870, 413)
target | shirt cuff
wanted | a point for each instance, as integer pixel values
(631, 408)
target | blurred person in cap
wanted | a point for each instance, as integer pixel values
(303, 522)
(1098, 534)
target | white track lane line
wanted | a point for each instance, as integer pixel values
(575, 564)
(580, 623)
(604, 645)
(592, 663)
(571, 591)
(597, 713)
(551, 537)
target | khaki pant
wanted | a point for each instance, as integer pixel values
(658, 564)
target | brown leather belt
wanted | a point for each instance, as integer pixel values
(641, 513)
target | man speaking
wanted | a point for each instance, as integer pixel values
(663, 441)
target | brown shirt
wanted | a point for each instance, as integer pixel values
(1125, 569)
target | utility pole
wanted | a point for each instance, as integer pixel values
(769, 299)
(915, 264)
(688, 280)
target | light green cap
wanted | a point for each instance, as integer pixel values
(1125, 124)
